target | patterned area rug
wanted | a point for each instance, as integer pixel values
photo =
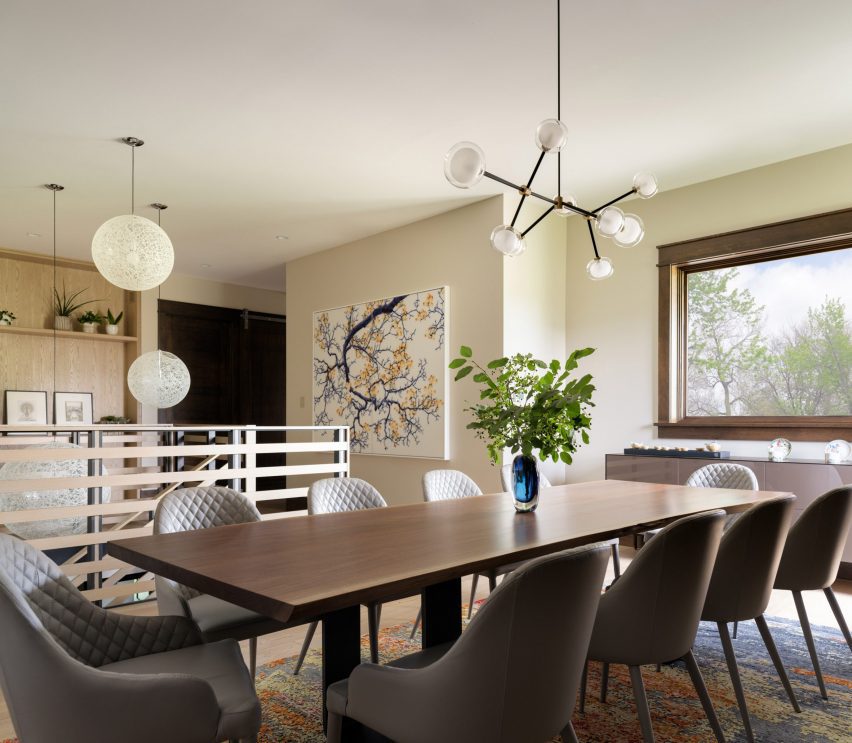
(291, 704)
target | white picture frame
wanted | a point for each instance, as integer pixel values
(25, 408)
(72, 408)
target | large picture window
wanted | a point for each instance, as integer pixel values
(756, 332)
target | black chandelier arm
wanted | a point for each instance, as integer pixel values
(518, 210)
(524, 233)
(594, 244)
(615, 201)
(503, 181)
(535, 169)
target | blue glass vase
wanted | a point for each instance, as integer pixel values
(525, 483)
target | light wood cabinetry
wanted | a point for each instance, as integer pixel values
(35, 357)
(806, 478)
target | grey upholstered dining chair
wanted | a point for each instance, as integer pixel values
(741, 585)
(543, 482)
(189, 509)
(651, 614)
(511, 677)
(811, 559)
(335, 495)
(71, 671)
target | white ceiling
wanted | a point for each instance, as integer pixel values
(327, 121)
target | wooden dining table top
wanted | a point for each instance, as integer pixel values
(300, 568)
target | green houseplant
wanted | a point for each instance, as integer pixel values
(112, 322)
(527, 405)
(64, 305)
(6, 317)
(90, 321)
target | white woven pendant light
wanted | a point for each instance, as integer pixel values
(131, 251)
(158, 378)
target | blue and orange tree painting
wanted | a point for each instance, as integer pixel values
(379, 367)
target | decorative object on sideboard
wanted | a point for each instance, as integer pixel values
(528, 405)
(25, 407)
(113, 420)
(464, 167)
(64, 304)
(131, 251)
(6, 317)
(837, 451)
(90, 321)
(779, 449)
(699, 452)
(111, 322)
(72, 408)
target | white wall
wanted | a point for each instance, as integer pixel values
(619, 316)
(199, 291)
(451, 250)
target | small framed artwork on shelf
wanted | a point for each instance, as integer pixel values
(26, 407)
(72, 408)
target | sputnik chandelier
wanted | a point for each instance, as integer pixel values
(464, 167)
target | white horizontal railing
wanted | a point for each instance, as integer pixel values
(139, 465)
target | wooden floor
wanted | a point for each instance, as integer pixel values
(289, 642)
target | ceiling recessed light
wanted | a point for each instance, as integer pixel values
(206, 265)
(282, 237)
(33, 234)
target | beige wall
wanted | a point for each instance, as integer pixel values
(448, 250)
(619, 316)
(200, 291)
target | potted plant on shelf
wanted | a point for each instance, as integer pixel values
(526, 406)
(64, 305)
(6, 317)
(112, 322)
(90, 321)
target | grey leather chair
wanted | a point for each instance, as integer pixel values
(202, 508)
(651, 614)
(741, 585)
(335, 495)
(73, 672)
(811, 558)
(543, 482)
(511, 677)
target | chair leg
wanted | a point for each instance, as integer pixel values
(472, 594)
(492, 580)
(252, 656)
(305, 645)
(334, 728)
(641, 704)
(736, 624)
(776, 659)
(701, 690)
(616, 561)
(416, 623)
(604, 681)
(731, 659)
(373, 611)
(584, 678)
(568, 734)
(809, 640)
(838, 615)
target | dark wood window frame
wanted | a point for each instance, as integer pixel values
(814, 234)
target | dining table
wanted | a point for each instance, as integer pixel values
(324, 566)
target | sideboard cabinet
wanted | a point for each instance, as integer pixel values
(806, 478)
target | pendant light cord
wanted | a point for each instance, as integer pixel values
(55, 294)
(132, 180)
(558, 92)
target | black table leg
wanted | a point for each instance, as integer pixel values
(341, 649)
(441, 612)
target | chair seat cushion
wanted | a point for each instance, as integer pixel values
(221, 665)
(218, 619)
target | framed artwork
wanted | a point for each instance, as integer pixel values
(26, 407)
(72, 408)
(380, 368)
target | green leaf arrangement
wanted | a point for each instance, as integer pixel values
(112, 320)
(528, 405)
(91, 317)
(64, 305)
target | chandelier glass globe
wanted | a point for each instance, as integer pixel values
(564, 211)
(645, 185)
(599, 268)
(133, 252)
(610, 221)
(507, 240)
(631, 232)
(551, 135)
(464, 164)
(158, 378)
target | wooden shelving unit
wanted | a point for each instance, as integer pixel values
(77, 335)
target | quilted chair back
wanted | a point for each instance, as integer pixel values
(189, 509)
(506, 478)
(448, 485)
(724, 475)
(335, 494)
